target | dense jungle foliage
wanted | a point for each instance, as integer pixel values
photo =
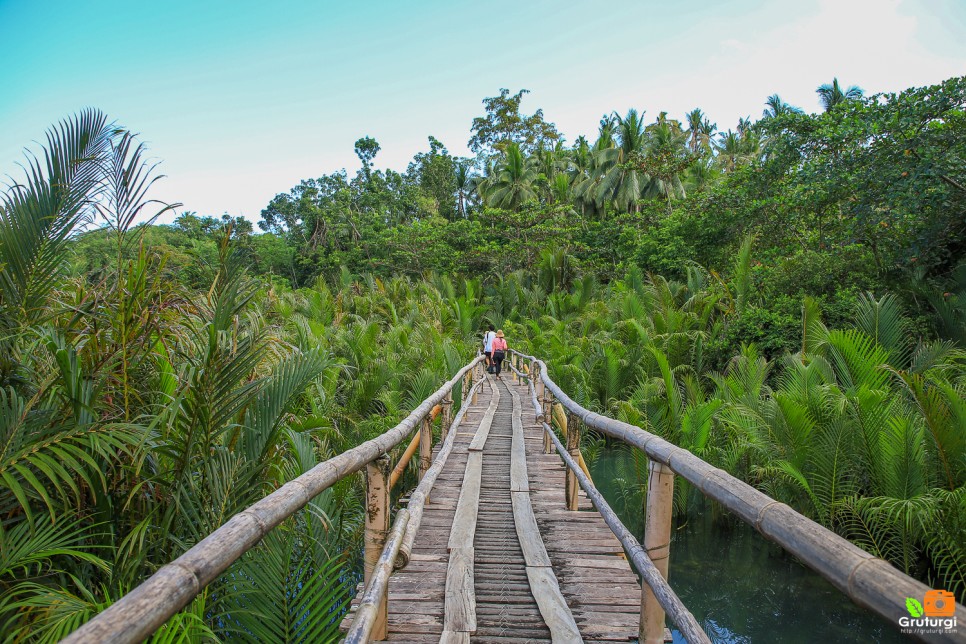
(786, 299)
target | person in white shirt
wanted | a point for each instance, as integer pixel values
(488, 345)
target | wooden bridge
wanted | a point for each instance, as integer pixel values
(498, 555)
(505, 538)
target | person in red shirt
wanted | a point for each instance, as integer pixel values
(499, 351)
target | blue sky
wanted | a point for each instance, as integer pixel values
(240, 100)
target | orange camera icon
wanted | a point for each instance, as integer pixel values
(939, 603)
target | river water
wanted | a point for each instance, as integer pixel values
(740, 587)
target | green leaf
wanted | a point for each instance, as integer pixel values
(914, 607)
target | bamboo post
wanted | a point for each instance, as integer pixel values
(397, 471)
(572, 430)
(377, 527)
(447, 415)
(548, 414)
(537, 380)
(657, 543)
(425, 445)
(477, 389)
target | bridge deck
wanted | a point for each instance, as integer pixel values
(595, 581)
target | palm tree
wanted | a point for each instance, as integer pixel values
(665, 158)
(832, 94)
(731, 150)
(550, 163)
(618, 183)
(606, 132)
(777, 107)
(700, 131)
(481, 184)
(464, 186)
(513, 185)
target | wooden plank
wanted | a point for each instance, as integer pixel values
(519, 481)
(599, 586)
(534, 551)
(464, 522)
(460, 601)
(554, 609)
(454, 637)
(479, 440)
(543, 583)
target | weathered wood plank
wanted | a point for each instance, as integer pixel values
(534, 552)
(554, 609)
(464, 522)
(479, 440)
(460, 602)
(454, 637)
(603, 595)
(519, 481)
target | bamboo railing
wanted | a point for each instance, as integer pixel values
(867, 580)
(136, 615)
(370, 619)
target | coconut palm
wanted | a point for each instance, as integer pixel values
(513, 185)
(464, 186)
(832, 94)
(551, 164)
(700, 131)
(738, 147)
(777, 107)
(618, 183)
(666, 158)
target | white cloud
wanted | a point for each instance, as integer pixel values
(869, 43)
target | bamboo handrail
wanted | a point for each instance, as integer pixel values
(419, 497)
(668, 599)
(867, 580)
(407, 456)
(397, 551)
(374, 594)
(561, 419)
(136, 615)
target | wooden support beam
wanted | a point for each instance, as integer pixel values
(397, 471)
(460, 598)
(657, 543)
(425, 446)
(377, 527)
(374, 598)
(544, 395)
(537, 379)
(447, 415)
(454, 637)
(572, 431)
(547, 414)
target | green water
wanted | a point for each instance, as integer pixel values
(740, 587)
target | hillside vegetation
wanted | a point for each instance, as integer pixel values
(786, 299)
